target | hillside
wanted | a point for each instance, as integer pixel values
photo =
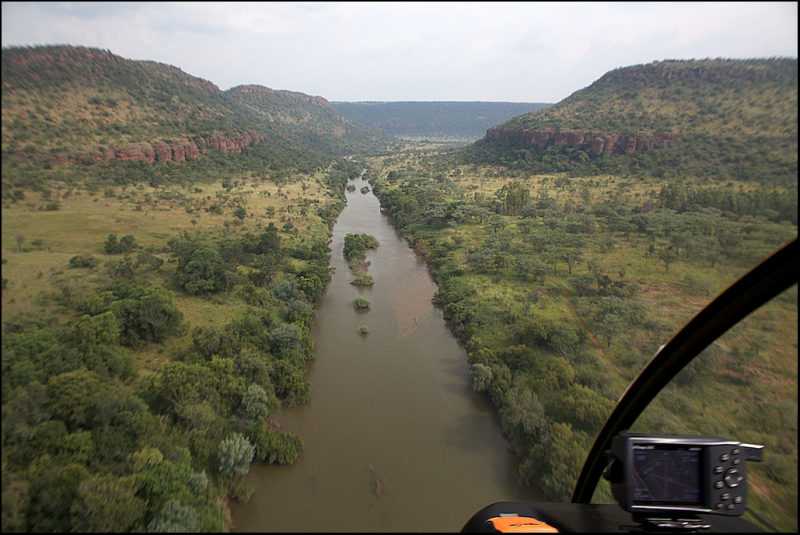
(461, 120)
(703, 118)
(65, 105)
(308, 120)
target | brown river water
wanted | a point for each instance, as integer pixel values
(396, 440)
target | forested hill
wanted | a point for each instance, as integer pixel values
(310, 121)
(464, 120)
(64, 104)
(712, 118)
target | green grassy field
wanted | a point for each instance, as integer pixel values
(38, 244)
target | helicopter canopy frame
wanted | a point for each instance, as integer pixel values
(765, 281)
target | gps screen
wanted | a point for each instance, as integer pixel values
(666, 475)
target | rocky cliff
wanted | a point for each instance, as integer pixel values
(64, 105)
(668, 104)
(597, 142)
(178, 151)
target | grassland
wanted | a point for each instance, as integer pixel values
(37, 244)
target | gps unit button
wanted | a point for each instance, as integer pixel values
(733, 478)
(724, 457)
(718, 469)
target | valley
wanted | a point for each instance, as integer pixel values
(168, 293)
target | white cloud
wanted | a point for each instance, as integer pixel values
(516, 51)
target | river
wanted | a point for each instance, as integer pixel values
(396, 440)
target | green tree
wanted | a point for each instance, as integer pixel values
(559, 457)
(540, 270)
(108, 504)
(483, 260)
(73, 396)
(572, 257)
(199, 483)
(608, 325)
(667, 256)
(145, 313)
(289, 382)
(355, 245)
(53, 488)
(363, 279)
(287, 338)
(481, 376)
(167, 478)
(235, 455)
(203, 273)
(16, 499)
(301, 313)
(84, 260)
(158, 316)
(126, 244)
(175, 517)
(272, 447)
(496, 223)
(523, 408)
(514, 196)
(257, 403)
(96, 332)
(523, 264)
(266, 266)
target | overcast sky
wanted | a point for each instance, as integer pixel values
(392, 51)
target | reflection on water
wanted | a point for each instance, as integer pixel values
(395, 438)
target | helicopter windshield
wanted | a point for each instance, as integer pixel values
(742, 386)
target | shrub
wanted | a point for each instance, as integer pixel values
(481, 377)
(85, 260)
(241, 492)
(361, 302)
(281, 447)
(363, 279)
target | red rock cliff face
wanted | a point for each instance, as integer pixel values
(163, 152)
(597, 142)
